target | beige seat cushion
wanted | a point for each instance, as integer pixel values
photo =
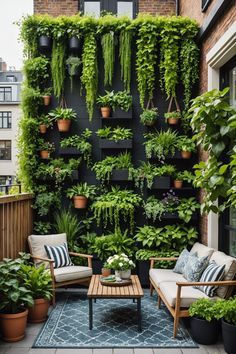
(202, 250)
(188, 294)
(71, 273)
(37, 242)
(165, 275)
(230, 271)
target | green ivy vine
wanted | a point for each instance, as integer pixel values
(125, 42)
(108, 50)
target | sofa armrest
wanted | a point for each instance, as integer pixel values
(221, 282)
(88, 256)
(153, 259)
(38, 258)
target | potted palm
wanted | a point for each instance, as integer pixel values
(106, 103)
(186, 145)
(63, 116)
(45, 148)
(205, 328)
(80, 194)
(39, 282)
(44, 123)
(149, 116)
(15, 300)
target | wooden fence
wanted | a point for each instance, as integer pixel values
(16, 224)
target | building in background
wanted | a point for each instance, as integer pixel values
(10, 86)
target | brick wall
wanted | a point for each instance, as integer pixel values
(70, 7)
(192, 8)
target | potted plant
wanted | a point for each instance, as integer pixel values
(15, 300)
(121, 264)
(149, 116)
(44, 123)
(73, 65)
(186, 145)
(44, 35)
(106, 271)
(45, 148)
(47, 96)
(39, 282)
(205, 328)
(63, 116)
(226, 311)
(122, 102)
(74, 39)
(172, 118)
(113, 138)
(181, 176)
(80, 194)
(106, 103)
(160, 144)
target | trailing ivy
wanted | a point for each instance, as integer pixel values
(108, 51)
(125, 42)
(89, 76)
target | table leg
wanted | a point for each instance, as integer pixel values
(90, 313)
(139, 314)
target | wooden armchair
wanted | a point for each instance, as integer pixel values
(62, 276)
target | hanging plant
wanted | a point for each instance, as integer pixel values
(125, 41)
(58, 67)
(189, 59)
(146, 59)
(89, 76)
(108, 51)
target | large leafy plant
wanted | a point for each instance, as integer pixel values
(81, 143)
(160, 144)
(116, 134)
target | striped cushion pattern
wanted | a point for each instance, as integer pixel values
(59, 254)
(213, 272)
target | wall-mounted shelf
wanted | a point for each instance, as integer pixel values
(69, 151)
(120, 175)
(111, 144)
(162, 182)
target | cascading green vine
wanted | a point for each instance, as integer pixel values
(58, 66)
(189, 54)
(89, 76)
(146, 60)
(108, 50)
(125, 41)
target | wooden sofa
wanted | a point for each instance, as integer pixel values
(178, 294)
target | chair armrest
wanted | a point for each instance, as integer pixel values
(88, 256)
(197, 283)
(42, 259)
(153, 259)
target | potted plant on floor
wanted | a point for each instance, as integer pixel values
(63, 117)
(226, 310)
(45, 148)
(80, 194)
(205, 328)
(15, 300)
(149, 116)
(106, 103)
(39, 282)
(121, 264)
(186, 145)
(47, 96)
(44, 123)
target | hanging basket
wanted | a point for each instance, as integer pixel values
(150, 106)
(74, 44)
(173, 120)
(44, 42)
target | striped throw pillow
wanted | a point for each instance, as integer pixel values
(59, 254)
(213, 272)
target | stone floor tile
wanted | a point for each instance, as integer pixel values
(3, 350)
(194, 350)
(123, 351)
(167, 351)
(27, 342)
(17, 351)
(211, 349)
(42, 351)
(74, 351)
(143, 351)
(102, 351)
(34, 328)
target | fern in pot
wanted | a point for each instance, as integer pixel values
(81, 193)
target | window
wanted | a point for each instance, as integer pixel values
(11, 78)
(5, 94)
(5, 120)
(5, 149)
(120, 8)
(205, 4)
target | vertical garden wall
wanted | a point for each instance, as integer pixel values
(144, 70)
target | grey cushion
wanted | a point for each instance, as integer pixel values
(194, 267)
(163, 275)
(71, 273)
(182, 260)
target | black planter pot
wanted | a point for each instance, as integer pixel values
(97, 265)
(119, 113)
(161, 182)
(75, 175)
(110, 144)
(44, 42)
(204, 332)
(229, 337)
(120, 175)
(69, 151)
(74, 44)
(143, 272)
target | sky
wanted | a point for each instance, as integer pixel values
(10, 48)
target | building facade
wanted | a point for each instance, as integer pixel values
(10, 85)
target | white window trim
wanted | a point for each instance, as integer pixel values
(220, 54)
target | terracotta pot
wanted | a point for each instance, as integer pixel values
(178, 184)
(63, 125)
(46, 100)
(106, 112)
(106, 272)
(13, 326)
(80, 202)
(173, 121)
(186, 154)
(42, 128)
(44, 154)
(38, 313)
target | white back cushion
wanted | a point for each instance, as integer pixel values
(202, 250)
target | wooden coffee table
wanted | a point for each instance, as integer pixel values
(98, 291)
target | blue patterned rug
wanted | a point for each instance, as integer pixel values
(114, 325)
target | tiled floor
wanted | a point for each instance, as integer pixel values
(24, 347)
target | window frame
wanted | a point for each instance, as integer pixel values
(4, 89)
(205, 4)
(8, 117)
(4, 149)
(110, 6)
